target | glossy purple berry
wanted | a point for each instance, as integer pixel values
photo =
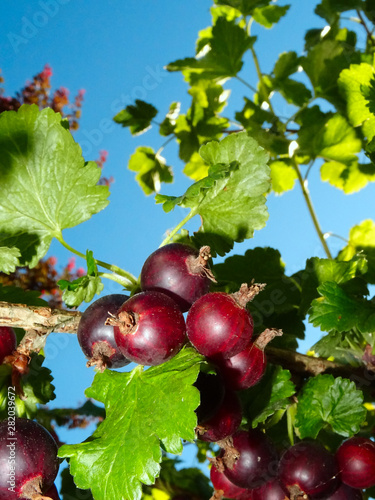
(28, 459)
(97, 340)
(179, 271)
(149, 328)
(8, 342)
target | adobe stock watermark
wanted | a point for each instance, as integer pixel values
(12, 439)
(152, 78)
(30, 26)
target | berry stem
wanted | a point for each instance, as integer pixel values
(174, 231)
(266, 337)
(115, 269)
(306, 195)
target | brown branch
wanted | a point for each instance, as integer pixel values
(368, 32)
(44, 320)
(41, 321)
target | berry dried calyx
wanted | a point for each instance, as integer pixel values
(218, 324)
(179, 271)
(97, 339)
(149, 328)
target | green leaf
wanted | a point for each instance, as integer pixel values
(227, 46)
(329, 9)
(333, 137)
(36, 385)
(362, 239)
(17, 295)
(191, 480)
(286, 65)
(138, 118)
(196, 168)
(283, 176)
(45, 184)
(246, 7)
(167, 126)
(336, 310)
(269, 15)
(113, 465)
(293, 92)
(331, 403)
(353, 83)
(83, 288)
(230, 200)
(9, 259)
(323, 65)
(270, 395)
(318, 271)
(343, 347)
(69, 491)
(151, 169)
(349, 178)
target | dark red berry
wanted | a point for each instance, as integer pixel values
(218, 324)
(179, 271)
(224, 422)
(345, 492)
(224, 487)
(271, 490)
(212, 390)
(149, 328)
(257, 459)
(247, 367)
(8, 342)
(307, 468)
(356, 458)
(28, 459)
(97, 340)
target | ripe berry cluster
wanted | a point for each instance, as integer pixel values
(250, 469)
(149, 328)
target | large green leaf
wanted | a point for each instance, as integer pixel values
(9, 259)
(227, 46)
(326, 402)
(328, 136)
(270, 395)
(323, 65)
(318, 271)
(349, 178)
(145, 409)
(45, 184)
(362, 239)
(337, 310)
(354, 83)
(231, 199)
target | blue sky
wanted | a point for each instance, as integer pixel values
(116, 51)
